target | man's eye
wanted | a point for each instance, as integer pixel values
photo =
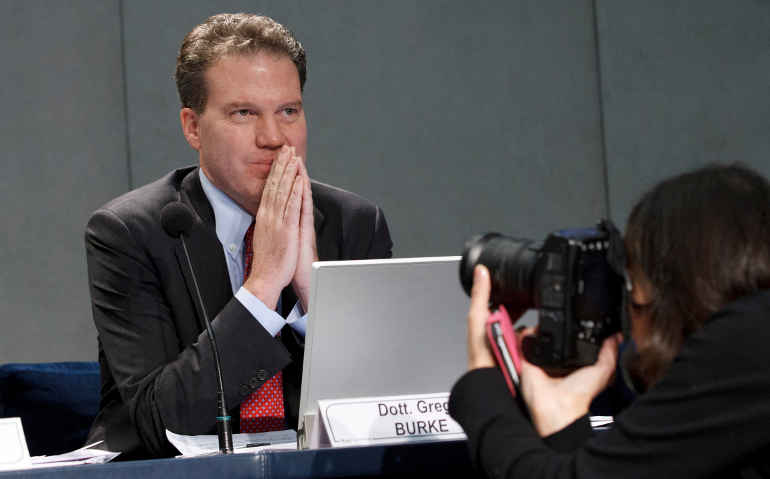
(290, 111)
(242, 113)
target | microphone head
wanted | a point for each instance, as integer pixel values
(177, 218)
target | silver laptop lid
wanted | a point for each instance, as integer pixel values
(383, 327)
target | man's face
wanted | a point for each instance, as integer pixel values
(254, 108)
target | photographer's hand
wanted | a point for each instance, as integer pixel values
(553, 402)
(479, 353)
(556, 402)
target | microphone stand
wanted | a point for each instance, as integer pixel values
(224, 427)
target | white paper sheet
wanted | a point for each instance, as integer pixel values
(13, 444)
(242, 443)
(84, 455)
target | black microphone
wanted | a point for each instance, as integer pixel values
(177, 220)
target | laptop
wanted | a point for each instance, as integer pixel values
(382, 328)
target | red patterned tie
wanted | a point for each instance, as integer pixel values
(263, 410)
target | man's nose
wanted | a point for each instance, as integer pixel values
(269, 134)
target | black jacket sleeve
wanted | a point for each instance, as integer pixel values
(709, 416)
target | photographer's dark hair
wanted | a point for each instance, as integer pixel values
(703, 240)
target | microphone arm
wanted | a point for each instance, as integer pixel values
(224, 427)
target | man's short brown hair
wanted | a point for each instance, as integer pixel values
(227, 34)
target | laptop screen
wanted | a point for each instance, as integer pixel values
(383, 327)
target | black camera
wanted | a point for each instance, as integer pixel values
(575, 279)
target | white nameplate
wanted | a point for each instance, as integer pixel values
(13, 445)
(389, 419)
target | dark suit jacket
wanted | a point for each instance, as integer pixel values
(157, 368)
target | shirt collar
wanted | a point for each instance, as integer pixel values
(231, 220)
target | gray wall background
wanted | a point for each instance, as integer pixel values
(456, 117)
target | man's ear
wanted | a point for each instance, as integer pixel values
(190, 127)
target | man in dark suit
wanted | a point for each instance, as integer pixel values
(240, 80)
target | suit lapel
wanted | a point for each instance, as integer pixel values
(318, 223)
(206, 254)
(325, 238)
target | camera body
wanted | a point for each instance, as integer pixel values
(575, 279)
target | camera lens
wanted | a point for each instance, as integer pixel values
(511, 263)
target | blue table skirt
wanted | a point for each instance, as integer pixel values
(423, 459)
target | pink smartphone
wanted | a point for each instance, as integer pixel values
(503, 341)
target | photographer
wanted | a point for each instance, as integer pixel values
(698, 253)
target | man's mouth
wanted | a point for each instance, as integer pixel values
(264, 161)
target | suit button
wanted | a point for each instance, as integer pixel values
(261, 374)
(245, 390)
(253, 382)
